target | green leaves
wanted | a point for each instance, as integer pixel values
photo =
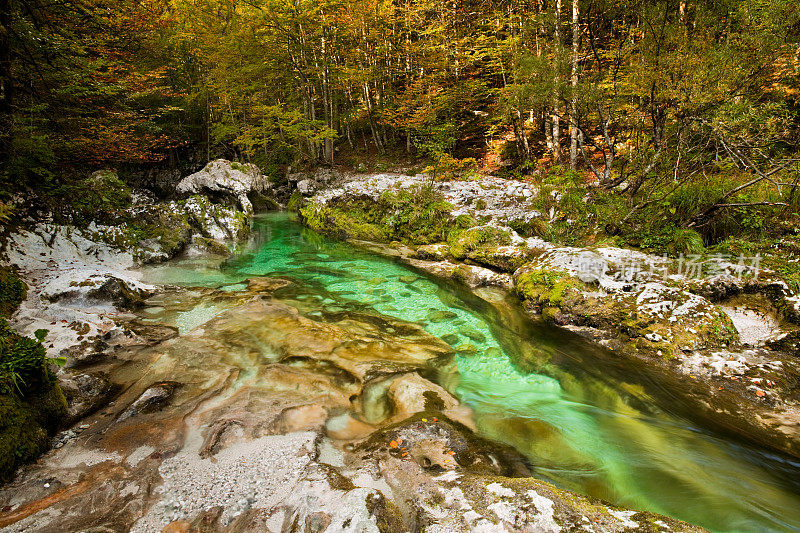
(23, 362)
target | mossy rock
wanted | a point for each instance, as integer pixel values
(341, 224)
(546, 288)
(478, 238)
(415, 216)
(488, 246)
(212, 246)
(26, 426)
(296, 201)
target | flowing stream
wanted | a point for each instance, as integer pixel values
(586, 420)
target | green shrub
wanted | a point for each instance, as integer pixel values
(451, 168)
(673, 241)
(97, 198)
(12, 292)
(23, 363)
(418, 215)
(7, 212)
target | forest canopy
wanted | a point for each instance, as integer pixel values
(645, 98)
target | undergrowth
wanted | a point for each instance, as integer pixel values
(662, 221)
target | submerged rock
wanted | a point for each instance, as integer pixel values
(153, 399)
(445, 478)
(272, 429)
(410, 394)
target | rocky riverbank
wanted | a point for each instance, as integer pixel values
(726, 325)
(170, 428)
(83, 282)
(255, 421)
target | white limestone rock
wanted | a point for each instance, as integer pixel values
(228, 178)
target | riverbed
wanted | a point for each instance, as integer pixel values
(585, 419)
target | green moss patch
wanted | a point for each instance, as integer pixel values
(26, 426)
(488, 246)
(547, 288)
(414, 216)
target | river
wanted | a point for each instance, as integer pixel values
(585, 420)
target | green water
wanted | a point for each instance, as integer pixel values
(586, 421)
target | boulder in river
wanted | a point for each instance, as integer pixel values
(231, 180)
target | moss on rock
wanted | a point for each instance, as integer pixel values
(31, 403)
(658, 320)
(478, 238)
(546, 288)
(489, 246)
(416, 216)
(346, 224)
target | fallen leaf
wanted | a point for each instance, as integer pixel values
(760, 393)
(393, 444)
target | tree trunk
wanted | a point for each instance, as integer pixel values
(524, 137)
(6, 80)
(573, 110)
(556, 120)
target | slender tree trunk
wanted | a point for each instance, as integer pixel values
(573, 110)
(524, 138)
(6, 80)
(556, 120)
(548, 130)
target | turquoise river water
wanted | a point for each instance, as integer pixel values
(586, 421)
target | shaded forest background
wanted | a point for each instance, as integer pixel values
(680, 117)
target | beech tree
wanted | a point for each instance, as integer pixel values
(652, 94)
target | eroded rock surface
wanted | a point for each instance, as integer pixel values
(259, 418)
(226, 178)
